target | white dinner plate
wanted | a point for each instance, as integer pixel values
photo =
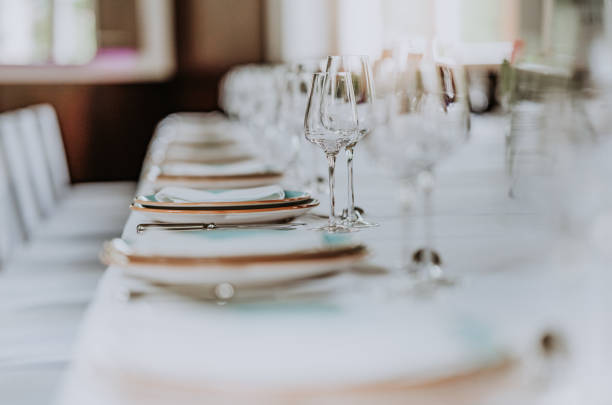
(207, 153)
(246, 270)
(226, 216)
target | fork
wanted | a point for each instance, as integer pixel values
(140, 228)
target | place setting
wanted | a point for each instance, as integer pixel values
(216, 265)
(257, 205)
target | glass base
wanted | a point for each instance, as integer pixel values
(335, 228)
(357, 221)
(429, 272)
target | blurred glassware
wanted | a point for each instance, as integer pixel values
(252, 96)
(427, 117)
(331, 123)
(363, 87)
(292, 106)
(559, 126)
(532, 86)
(560, 162)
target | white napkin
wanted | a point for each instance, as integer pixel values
(186, 195)
(201, 169)
(227, 243)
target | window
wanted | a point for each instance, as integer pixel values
(47, 31)
(86, 41)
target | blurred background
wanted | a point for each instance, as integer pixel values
(114, 68)
(533, 192)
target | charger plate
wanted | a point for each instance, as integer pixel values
(226, 215)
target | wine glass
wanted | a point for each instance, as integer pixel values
(331, 123)
(363, 87)
(427, 118)
(292, 106)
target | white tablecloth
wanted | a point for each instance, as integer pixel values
(167, 349)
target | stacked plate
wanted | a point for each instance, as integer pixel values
(240, 174)
(243, 258)
(208, 152)
(242, 206)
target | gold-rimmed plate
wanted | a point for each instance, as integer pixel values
(242, 270)
(226, 215)
(291, 198)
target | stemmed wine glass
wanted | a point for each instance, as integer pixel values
(292, 106)
(331, 123)
(358, 66)
(427, 118)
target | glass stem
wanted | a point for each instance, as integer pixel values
(331, 160)
(350, 154)
(426, 183)
(407, 188)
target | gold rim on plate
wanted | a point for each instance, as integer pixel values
(137, 207)
(303, 198)
(170, 177)
(113, 256)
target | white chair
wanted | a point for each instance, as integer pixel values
(19, 172)
(24, 200)
(37, 159)
(85, 193)
(11, 229)
(96, 208)
(63, 224)
(51, 138)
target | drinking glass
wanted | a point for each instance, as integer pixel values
(358, 66)
(331, 123)
(305, 170)
(427, 118)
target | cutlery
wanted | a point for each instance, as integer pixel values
(140, 228)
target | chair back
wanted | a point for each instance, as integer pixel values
(54, 147)
(11, 228)
(37, 160)
(19, 172)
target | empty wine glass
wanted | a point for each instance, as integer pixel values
(363, 87)
(427, 117)
(305, 170)
(438, 119)
(331, 123)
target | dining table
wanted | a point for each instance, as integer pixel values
(521, 321)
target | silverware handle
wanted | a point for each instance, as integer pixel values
(140, 228)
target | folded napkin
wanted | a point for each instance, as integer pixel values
(228, 243)
(202, 169)
(189, 195)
